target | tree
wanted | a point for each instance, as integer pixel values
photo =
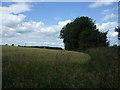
(6, 44)
(12, 44)
(118, 30)
(82, 33)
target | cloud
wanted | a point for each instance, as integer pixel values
(20, 0)
(12, 20)
(11, 15)
(34, 33)
(58, 18)
(108, 14)
(108, 17)
(31, 32)
(56, 0)
(34, 27)
(62, 23)
(99, 3)
(109, 26)
(15, 8)
(106, 11)
(30, 26)
(16, 30)
(47, 0)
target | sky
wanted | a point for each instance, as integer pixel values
(39, 23)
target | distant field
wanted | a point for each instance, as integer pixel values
(45, 68)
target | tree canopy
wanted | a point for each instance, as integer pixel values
(117, 29)
(81, 34)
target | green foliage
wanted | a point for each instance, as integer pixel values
(81, 34)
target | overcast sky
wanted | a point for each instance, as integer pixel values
(39, 23)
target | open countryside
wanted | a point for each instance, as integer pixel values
(76, 53)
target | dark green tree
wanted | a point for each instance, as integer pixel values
(81, 34)
(118, 30)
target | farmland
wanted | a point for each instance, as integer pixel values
(46, 68)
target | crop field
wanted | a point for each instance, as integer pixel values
(46, 68)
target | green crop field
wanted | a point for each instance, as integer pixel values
(46, 68)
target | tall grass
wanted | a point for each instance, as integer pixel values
(32, 67)
(105, 66)
(43, 68)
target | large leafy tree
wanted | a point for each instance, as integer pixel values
(82, 33)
